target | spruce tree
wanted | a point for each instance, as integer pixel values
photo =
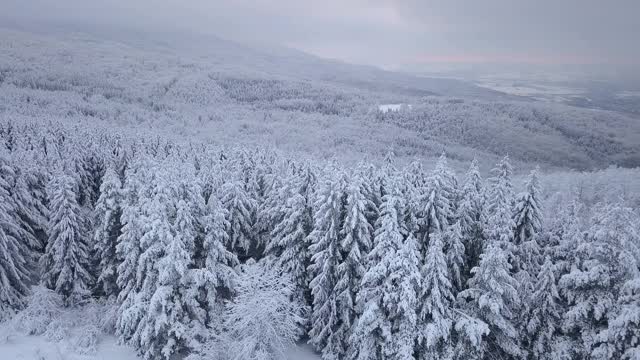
(500, 204)
(455, 254)
(325, 250)
(435, 207)
(387, 328)
(623, 334)
(526, 250)
(543, 323)
(608, 258)
(356, 237)
(436, 302)
(169, 326)
(29, 199)
(567, 235)
(472, 216)
(217, 276)
(108, 215)
(414, 187)
(528, 223)
(128, 248)
(14, 253)
(240, 208)
(66, 260)
(290, 243)
(450, 184)
(157, 237)
(271, 211)
(493, 298)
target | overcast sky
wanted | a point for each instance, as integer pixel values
(389, 33)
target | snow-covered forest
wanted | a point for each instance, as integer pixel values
(185, 249)
(220, 91)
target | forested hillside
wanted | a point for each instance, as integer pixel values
(227, 93)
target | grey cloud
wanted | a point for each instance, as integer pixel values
(387, 32)
(597, 28)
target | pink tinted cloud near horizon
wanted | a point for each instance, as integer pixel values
(534, 59)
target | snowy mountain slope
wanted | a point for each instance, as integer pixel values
(230, 93)
(270, 60)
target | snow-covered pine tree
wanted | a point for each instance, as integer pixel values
(623, 332)
(262, 186)
(14, 253)
(29, 198)
(436, 299)
(450, 184)
(217, 276)
(564, 240)
(271, 210)
(543, 322)
(371, 192)
(472, 216)
(373, 185)
(563, 232)
(608, 258)
(414, 187)
(108, 213)
(455, 254)
(306, 188)
(325, 250)
(301, 181)
(416, 178)
(171, 322)
(402, 301)
(528, 223)
(492, 298)
(383, 182)
(135, 190)
(527, 220)
(500, 200)
(66, 260)
(189, 190)
(137, 319)
(76, 160)
(468, 335)
(290, 245)
(435, 206)
(8, 135)
(387, 327)
(240, 208)
(94, 168)
(120, 159)
(356, 239)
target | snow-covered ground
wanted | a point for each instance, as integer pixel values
(303, 352)
(24, 347)
(15, 346)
